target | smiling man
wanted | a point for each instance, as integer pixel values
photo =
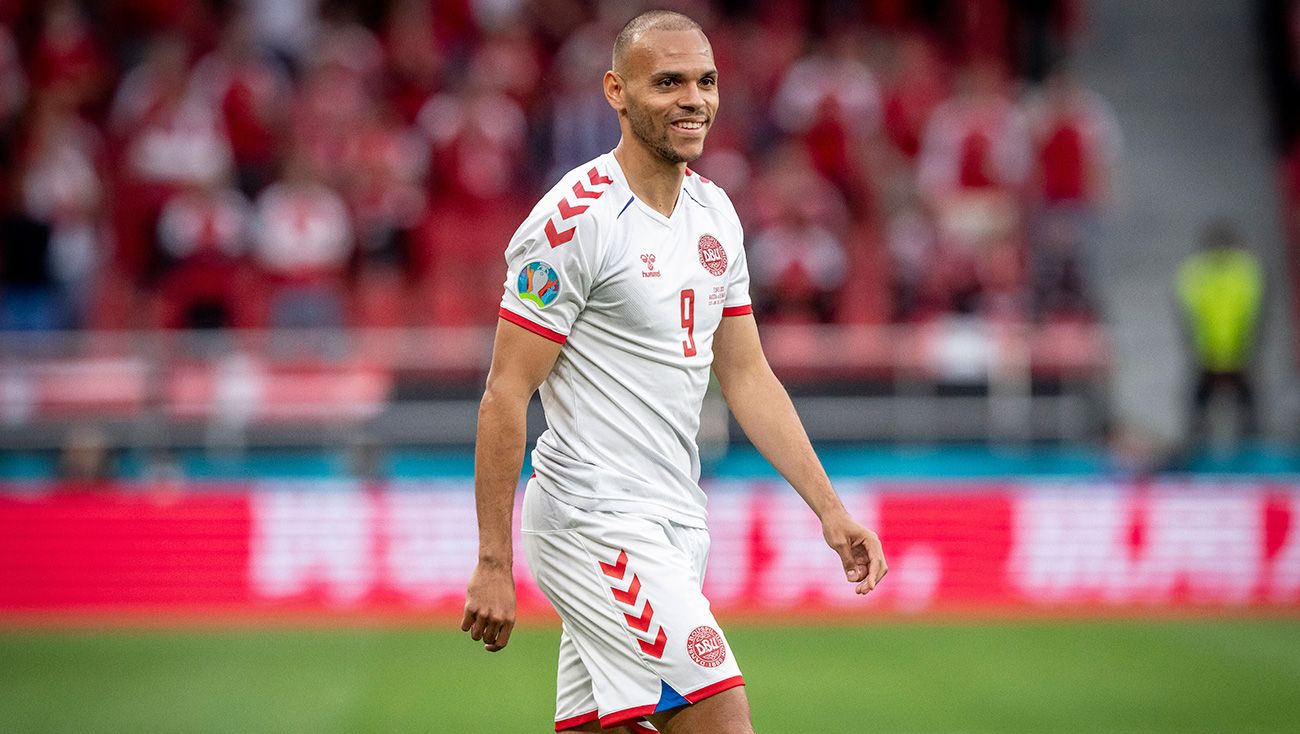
(625, 284)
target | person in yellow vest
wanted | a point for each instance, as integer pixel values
(1220, 292)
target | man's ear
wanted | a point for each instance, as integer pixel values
(614, 89)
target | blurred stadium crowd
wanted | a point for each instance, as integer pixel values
(301, 163)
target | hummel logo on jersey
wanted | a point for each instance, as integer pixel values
(649, 260)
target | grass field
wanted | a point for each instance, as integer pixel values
(1033, 676)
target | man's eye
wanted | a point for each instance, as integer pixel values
(708, 81)
(666, 82)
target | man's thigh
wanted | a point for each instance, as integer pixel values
(725, 713)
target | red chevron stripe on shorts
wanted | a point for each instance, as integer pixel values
(628, 597)
(655, 650)
(642, 623)
(617, 570)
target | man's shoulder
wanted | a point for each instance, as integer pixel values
(575, 206)
(709, 194)
(588, 190)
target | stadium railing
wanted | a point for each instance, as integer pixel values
(946, 380)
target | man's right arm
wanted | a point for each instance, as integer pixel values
(521, 360)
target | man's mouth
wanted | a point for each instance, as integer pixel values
(688, 124)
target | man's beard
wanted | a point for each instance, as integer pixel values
(643, 127)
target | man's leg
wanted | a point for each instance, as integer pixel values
(723, 713)
(595, 726)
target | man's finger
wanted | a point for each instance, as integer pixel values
(476, 631)
(862, 560)
(490, 632)
(503, 638)
(468, 620)
(846, 558)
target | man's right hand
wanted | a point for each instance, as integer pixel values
(490, 605)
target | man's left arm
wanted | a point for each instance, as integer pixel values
(763, 409)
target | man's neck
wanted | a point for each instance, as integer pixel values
(654, 180)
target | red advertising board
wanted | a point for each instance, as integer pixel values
(409, 547)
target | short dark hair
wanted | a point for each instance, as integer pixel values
(651, 20)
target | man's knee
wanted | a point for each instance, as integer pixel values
(723, 713)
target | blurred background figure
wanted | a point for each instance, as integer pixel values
(303, 243)
(85, 462)
(1221, 293)
(1077, 143)
(204, 280)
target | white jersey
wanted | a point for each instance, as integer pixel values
(635, 298)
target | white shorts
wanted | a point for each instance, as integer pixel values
(638, 634)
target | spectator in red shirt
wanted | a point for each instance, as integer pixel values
(13, 82)
(415, 56)
(67, 55)
(339, 87)
(303, 243)
(831, 100)
(203, 235)
(386, 166)
(60, 186)
(916, 85)
(478, 178)
(252, 91)
(977, 141)
(796, 257)
(171, 138)
(1078, 148)
(974, 164)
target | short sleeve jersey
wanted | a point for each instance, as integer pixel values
(634, 297)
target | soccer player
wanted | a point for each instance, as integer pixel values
(625, 284)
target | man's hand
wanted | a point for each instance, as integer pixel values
(490, 605)
(859, 549)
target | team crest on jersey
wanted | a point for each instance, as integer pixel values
(712, 256)
(538, 284)
(706, 647)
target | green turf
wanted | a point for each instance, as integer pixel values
(1112, 676)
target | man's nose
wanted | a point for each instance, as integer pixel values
(691, 97)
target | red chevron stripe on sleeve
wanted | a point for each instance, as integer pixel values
(557, 236)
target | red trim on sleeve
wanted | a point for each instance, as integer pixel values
(738, 310)
(576, 721)
(619, 718)
(709, 690)
(536, 328)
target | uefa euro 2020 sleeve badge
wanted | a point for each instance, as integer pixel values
(538, 284)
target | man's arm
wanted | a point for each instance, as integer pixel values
(521, 360)
(763, 409)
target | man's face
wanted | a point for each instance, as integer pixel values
(671, 93)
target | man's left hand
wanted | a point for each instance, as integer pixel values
(859, 549)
